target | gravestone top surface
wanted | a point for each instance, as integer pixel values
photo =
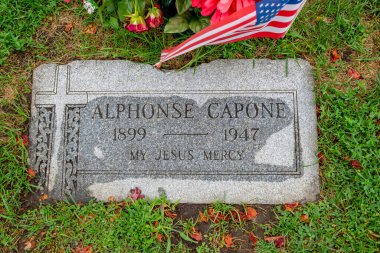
(230, 130)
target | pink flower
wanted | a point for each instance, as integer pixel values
(136, 24)
(67, 1)
(154, 18)
(220, 9)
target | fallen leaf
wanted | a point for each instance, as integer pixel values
(320, 157)
(290, 207)
(354, 74)
(356, 164)
(159, 237)
(31, 173)
(228, 239)
(90, 29)
(279, 241)
(335, 56)
(42, 233)
(69, 27)
(83, 249)
(202, 217)
(196, 234)
(251, 213)
(43, 197)
(111, 199)
(136, 194)
(305, 218)
(253, 238)
(238, 215)
(25, 140)
(30, 244)
(217, 216)
(170, 214)
(346, 158)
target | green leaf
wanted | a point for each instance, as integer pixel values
(182, 6)
(140, 6)
(176, 24)
(168, 245)
(109, 5)
(167, 3)
(186, 237)
(197, 24)
(125, 8)
(114, 22)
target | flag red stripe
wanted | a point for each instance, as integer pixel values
(253, 33)
(214, 36)
(238, 15)
(239, 26)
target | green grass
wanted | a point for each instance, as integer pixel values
(346, 219)
(18, 22)
(115, 227)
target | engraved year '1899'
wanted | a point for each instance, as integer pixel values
(129, 134)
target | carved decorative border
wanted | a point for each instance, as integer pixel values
(44, 139)
(71, 142)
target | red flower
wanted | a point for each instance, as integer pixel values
(154, 18)
(220, 8)
(137, 24)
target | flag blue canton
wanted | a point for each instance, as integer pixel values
(267, 9)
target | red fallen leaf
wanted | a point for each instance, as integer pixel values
(31, 173)
(320, 157)
(196, 234)
(238, 215)
(30, 244)
(253, 238)
(136, 194)
(159, 237)
(356, 164)
(69, 27)
(83, 249)
(170, 214)
(290, 207)
(279, 241)
(335, 56)
(217, 216)
(25, 140)
(354, 74)
(90, 29)
(228, 239)
(251, 213)
(305, 218)
(43, 197)
(202, 217)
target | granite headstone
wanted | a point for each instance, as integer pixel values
(230, 130)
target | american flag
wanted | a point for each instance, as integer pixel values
(268, 18)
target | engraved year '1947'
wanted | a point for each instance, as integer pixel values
(246, 134)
